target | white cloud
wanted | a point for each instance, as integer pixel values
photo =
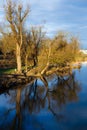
(83, 27)
(42, 5)
(53, 28)
(45, 4)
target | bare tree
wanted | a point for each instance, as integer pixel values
(16, 15)
(33, 42)
(37, 36)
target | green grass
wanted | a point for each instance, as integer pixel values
(11, 70)
(7, 71)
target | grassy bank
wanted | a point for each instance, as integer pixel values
(7, 70)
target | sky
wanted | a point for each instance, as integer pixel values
(57, 15)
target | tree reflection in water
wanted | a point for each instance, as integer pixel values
(33, 98)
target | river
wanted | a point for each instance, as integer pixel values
(63, 107)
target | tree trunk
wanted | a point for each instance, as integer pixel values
(35, 61)
(18, 57)
(18, 108)
(26, 62)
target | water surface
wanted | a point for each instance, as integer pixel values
(64, 107)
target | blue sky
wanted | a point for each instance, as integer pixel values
(58, 15)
